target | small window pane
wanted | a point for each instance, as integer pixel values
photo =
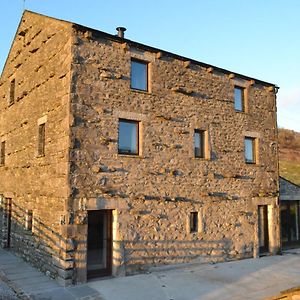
(249, 150)
(128, 137)
(139, 72)
(193, 222)
(12, 92)
(2, 154)
(239, 98)
(199, 143)
(28, 220)
(41, 141)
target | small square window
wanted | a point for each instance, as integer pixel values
(12, 92)
(41, 140)
(128, 142)
(239, 98)
(250, 152)
(199, 143)
(193, 222)
(139, 75)
(2, 154)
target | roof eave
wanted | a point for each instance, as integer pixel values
(99, 33)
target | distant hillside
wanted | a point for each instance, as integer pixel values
(289, 154)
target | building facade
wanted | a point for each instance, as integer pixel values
(117, 156)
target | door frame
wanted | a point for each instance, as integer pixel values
(266, 247)
(107, 271)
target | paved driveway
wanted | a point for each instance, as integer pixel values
(252, 279)
(245, 279)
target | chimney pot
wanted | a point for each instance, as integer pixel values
(121, 31)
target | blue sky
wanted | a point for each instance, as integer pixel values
(258, 38)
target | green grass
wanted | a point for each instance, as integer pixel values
(290, 170)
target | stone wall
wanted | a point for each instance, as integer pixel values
(39, 62)
(153, 194)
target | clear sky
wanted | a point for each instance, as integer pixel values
(257, 38)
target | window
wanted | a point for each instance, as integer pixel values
(139, 75)
(41, 140)
(2, 154)
(250, 153)
(193, 222)
(239, 98)
(28, 220)
(128, 142)
(12, 92)
(199, 143)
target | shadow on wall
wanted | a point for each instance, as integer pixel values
(140, 255)
(34, 241)
(50, 252)
(133, 257)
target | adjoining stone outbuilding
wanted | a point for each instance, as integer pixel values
(117, 156)
(289, 197)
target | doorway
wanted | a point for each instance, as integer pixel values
(99, 243)
(263, 229)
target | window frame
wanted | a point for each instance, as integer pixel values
(2, 153)
(254, 150)
(194, 222)
(29, 220)
(137, 123)
(243, 98)
(146, 64)
(202, 134)
(41, 139)
(12, 92)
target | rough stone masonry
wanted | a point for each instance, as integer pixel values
(75, 81)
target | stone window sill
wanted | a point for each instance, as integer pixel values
(140, 91)
(130, 156)
(196, 233)
(201, 158)
(253, 164)
(240, 111)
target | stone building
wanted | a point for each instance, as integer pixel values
(117, 156)
(289, 197)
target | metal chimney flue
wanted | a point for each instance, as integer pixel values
(121, 31)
